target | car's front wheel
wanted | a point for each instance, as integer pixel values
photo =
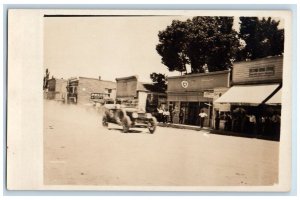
(152, 125)
(126, 124)
(104, 121)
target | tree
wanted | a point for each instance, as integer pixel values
(159, 81)
(46, 78)
(200, 42)
(262, 37)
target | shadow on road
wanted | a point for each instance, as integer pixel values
(130, 131)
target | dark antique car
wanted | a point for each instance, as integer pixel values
(128, 117)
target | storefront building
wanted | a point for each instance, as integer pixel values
(256, 93)
(83, 90)
(190, 94)
(134, 93)
(56, 89)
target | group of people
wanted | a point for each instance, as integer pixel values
(165, 115)
(265, 124)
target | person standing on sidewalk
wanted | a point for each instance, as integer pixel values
(252, 123)
(172, 112)
(166, 115)
(217, 121)
(202, 118)
(160, 114)
(181, 115)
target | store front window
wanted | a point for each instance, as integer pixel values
(191, 112)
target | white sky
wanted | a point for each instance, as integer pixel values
(109, 47)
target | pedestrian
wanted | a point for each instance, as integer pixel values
(202, 118)
(172, 112)
(166, 115)
(160, 114)
(181, 115)
(252, 123)
(217, 121)
(228, 122)
(276, 125)
(262, 125)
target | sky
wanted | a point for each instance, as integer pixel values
(110, 47)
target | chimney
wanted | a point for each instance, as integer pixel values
(99, 78)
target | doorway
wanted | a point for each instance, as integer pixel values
(193, 112)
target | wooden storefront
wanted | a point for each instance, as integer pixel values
(193, 93)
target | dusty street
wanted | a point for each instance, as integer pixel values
(79, 151)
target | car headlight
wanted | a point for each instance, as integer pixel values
(148, 115)
(135, 115)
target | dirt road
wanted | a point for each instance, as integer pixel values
(79, 151)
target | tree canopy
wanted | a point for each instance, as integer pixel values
(262, 37)
(210, 43)
(159, 81)
(200, 42)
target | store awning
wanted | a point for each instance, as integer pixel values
(248, 94)
(276, 99)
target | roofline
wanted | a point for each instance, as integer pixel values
(257, 82)
(94, 79)
(201, 74)
(258, 59)
(128, 77)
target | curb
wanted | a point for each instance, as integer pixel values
(217, 132)
(183, 126)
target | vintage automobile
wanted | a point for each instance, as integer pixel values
(128, 117)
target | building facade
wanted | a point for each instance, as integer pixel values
(56, 89)
(138, 94)
(255, 93)
(190, 94)
(83, 90)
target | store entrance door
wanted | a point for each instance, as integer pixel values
(193, 112)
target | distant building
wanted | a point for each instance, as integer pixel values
(84, 90)
(139, 94)
(56, 89)
(256, 89)
(195, 92)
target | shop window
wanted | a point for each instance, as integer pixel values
(262, 71)
(270, 70)
(253, 72)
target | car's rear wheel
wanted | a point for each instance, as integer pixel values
(126, 124)
(104, 121)
(152, 125)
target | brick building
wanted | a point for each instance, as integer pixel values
(83, 90)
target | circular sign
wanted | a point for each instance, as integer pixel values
(184, 84)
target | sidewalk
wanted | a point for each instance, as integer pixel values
(183, 126)
(218, 132)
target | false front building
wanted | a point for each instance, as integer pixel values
(190, 94)
(256, 90)
(84, 90)
(56, 89)
(144, 96)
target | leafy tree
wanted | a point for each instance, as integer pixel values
(46, 78)
(159, 81)
(262, 37)
(200, 42)
(172, 46)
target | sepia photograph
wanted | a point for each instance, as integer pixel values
(179, 100)
(162, 100)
